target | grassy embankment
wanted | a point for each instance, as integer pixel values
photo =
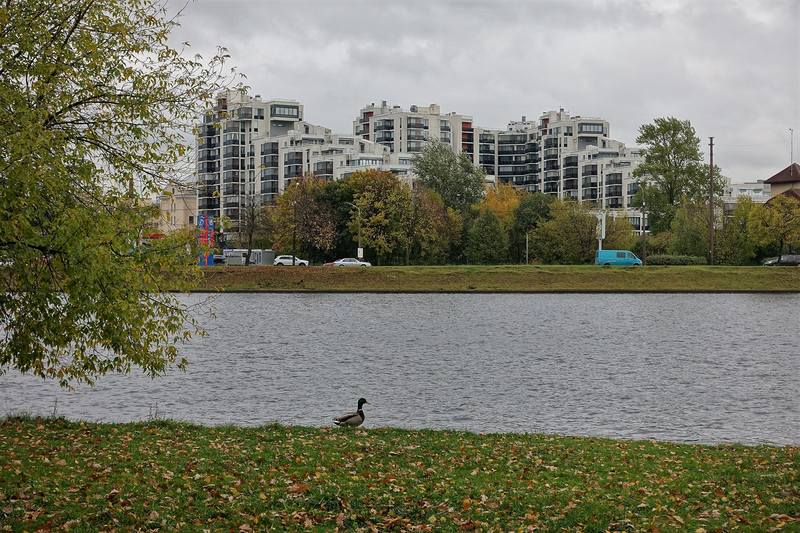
(505, 278)
(90, 477)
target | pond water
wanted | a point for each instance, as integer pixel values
(678, 367)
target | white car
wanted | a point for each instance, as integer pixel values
(286, 260)
(349, 262)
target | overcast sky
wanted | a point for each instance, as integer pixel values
(732, 67)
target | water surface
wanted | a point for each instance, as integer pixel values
(679, 367)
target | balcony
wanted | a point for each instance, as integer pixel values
(293, 172)
(413, 136)
(269, 174)
(417, 124)
(207, 192)
(571, 185)
(293, 160)
(589, 194)
(383, 125)
(512, 139)
(323, 168)
(269, 161)
(208, 142)
(208, 130)
(231, 164)
(232, 176)
(550, 143)
(551, 175)
(550, 153)
(512, 159)
(207, 179)
(269, 187)
(207, 167)
(506, 149)
(385, 137)
(232, 126)
(208, 203)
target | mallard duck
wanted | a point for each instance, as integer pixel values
(352, 419)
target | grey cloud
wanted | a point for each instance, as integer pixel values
(730, 66)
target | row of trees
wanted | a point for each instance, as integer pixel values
(447, 217)
(749, 233)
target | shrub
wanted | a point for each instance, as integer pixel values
(675, 260)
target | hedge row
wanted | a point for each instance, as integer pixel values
(675, 260)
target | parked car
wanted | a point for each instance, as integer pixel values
(616, 258)
(349, 262)
(286, 260)
(786, 260)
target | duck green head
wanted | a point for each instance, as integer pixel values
(361, 402)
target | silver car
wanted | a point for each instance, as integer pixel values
(286, 260)
(349, 262)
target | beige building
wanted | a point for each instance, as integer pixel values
(787, 181)
(178, 208)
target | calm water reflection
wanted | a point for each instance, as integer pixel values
(698, 368)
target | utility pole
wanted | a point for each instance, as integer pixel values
(711, 202)
(791, 145)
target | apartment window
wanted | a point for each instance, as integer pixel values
(277, 110)
(191, 219)
(590, 127)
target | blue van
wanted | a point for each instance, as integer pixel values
(616, 258)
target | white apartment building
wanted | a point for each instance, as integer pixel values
(758, 191)
(564, 156)
(250, 148)
(406, 131)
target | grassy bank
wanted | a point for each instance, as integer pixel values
(505, 278)
(176, 476)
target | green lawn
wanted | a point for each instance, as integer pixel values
(169, 475)
(501, 278)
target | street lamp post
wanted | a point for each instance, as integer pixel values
(294, 232)
(526, 246)
(643, 225)
(360, 252)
